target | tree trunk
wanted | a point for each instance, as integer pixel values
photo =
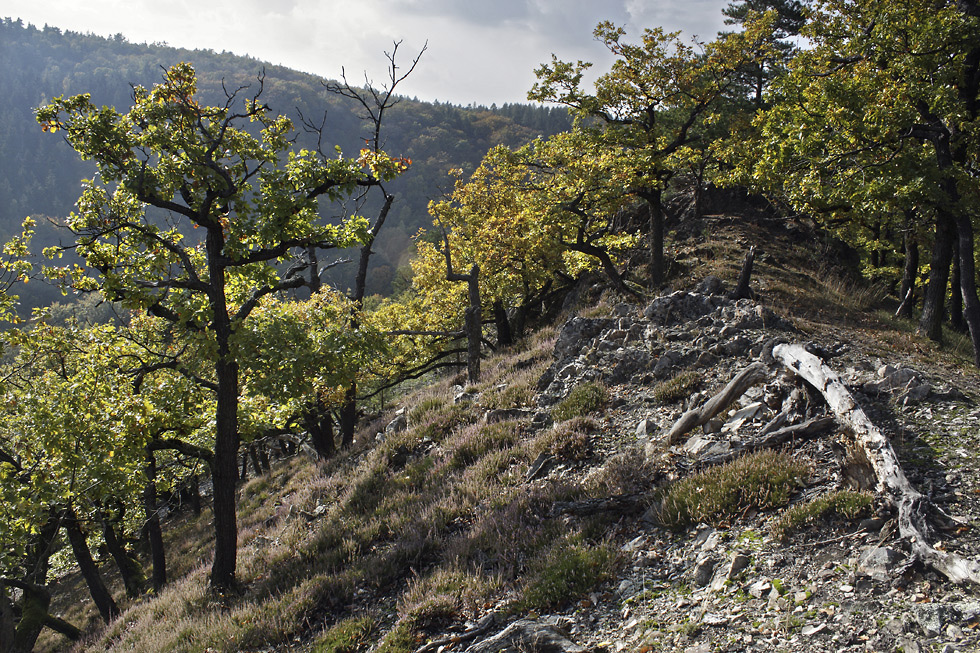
(931, 321)
(968, 284)
(225, 476)
(253, 455)
(319, 423)
(955, 308)
(195, 492)
(873, 447)
(505, 336)
(348, 412)
(656, 238)
(474, 325)
(8, 624)
(35, 598)
(129, 567)
(243, 476)
(34, 604)
(909, 275)
(348, 416)
(96, 586)
(154, 534)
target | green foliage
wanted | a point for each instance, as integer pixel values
(721, 494)
(565, 572)
(651, 113)
(45, 63)
(583, 399)
(347, 636)
(679, 387)
(886, 87)
(844, 503)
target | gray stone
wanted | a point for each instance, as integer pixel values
(760, 588)
(878, 562)
(646, 428)
(399, 423)
(930, 617)
(894, 627)
(507, 414)
(578, 332)
(703, 570)
(739, 564)
(527, 635)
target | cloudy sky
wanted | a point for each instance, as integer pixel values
(479, 51)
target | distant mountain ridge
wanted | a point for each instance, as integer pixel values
(39, 174)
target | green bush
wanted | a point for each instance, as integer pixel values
(721, 494)
(566, 572)
(347, 636)
(844, 503)
(677, 388)
(582, 400)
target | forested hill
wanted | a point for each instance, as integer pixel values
(39, 175)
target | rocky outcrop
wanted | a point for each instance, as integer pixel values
(675, 331)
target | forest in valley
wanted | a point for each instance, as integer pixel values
(190, 214)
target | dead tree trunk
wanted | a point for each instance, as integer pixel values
(742, 290)
(699, 416)
(872, 445)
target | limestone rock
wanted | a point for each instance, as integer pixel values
(527, 636)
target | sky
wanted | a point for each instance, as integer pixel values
(478, 51)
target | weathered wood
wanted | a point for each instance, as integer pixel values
(699, 416)
(874, 447)
(770, 440)
(742, 289)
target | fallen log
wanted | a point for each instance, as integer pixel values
(874, 447)
(698, 416)
(773, 439)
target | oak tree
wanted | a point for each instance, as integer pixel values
(196, 214)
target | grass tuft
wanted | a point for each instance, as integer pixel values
(844, 503)
(722, 494)
(584, 399)
(347, 636)
(678, 388)
(565, 572)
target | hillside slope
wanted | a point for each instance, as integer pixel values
(40, 175)
(543, 505)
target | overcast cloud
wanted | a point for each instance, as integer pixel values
(479, 51)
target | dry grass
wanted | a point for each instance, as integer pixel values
(438, 520)
(437, 517)
(721, 494)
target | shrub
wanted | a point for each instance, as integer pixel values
(347, 636)
(677, 388)
(583, 399)
(571, 445)
(628, 472)
(721, 494)
(425, 409)
(845, 503)
(469, 445)
(567, 571)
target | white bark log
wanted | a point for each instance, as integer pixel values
(874, 446)
(699, 416)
